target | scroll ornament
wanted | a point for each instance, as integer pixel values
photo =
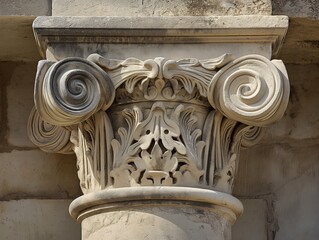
(71, 90)
(156, 122)
(251, 90)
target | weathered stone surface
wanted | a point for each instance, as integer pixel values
(19, 102)
(301, 120)
(296, 8)
(292, 8)
(252, 225)
(297, 205)
(22, 7)
(266, 168)
(156, 129)
(37, 219)
(37, 174)
(167, 36)
(175, 222)
(17, 39)
(301, 45)
(170, 119)
(159, 8)
(17, 42)
(287, 170)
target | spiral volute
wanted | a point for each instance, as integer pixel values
(71, 91)
(48, 137)
(250, 89)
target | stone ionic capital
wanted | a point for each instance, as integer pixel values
(156, 138)
(156, 123)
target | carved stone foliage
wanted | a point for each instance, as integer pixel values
(156, 122)
(158, 149)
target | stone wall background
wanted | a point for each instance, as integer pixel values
(277, 181)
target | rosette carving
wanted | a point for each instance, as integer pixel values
(71, 91)
(48, 137)
(250, 89)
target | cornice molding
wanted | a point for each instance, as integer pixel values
(215, 29)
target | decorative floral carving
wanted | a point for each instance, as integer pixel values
(225, 137)
(92, 146)
(178, 123)
(161, 77)
(153, 152)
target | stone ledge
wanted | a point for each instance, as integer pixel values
(219, 29)
(159, 193)
(17, 43)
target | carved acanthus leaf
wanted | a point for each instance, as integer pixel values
(225, 136)
(158, 127)
(191, 138)
(193, 73)
(92, 146)
(188, 74)
(171, 134)
(156, 150)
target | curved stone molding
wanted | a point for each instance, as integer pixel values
(250, 89)
(177, 213)
(84, 204)
(48, 137)
(71, 91)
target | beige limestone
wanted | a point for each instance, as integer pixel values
(22, 7)
(32, 219)
(301, 121)
(19, 98)
(251, 90)
(159, 8)
(296, 206)
(296, 8)
(38, 175)
(17, 40)
(272, 166)
(174, 221)
(253, 223)
(165, 212)
(124, 37)
(161, 130)
(291, 8)
(302, 42)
